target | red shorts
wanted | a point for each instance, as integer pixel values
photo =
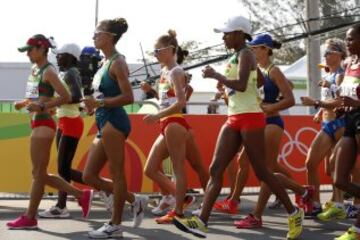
(180, 120)
(43, 123)
(246, 121)
(71, 127)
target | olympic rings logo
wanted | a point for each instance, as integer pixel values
(289, 146)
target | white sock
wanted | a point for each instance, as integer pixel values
(305, 193)
(339, 204)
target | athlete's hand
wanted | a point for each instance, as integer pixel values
(90, 103)
(267, 108)
(151, 118)
(208, 72)
(307, 101)
(33, 107)
(324, 83)
(21, 104)
(145, 86)
(317, 118)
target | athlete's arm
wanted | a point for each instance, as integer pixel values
(72, 79)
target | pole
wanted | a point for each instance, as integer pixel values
(96, 12)
(313, 50)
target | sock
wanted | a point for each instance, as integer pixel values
(305, 193)
(293, 213)
(339, 204)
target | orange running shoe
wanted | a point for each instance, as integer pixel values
(167, 218)
(227, 206)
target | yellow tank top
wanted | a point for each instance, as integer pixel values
(242, 102)
(67, 110)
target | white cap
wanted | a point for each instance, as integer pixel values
(237, 23)
(70, 48)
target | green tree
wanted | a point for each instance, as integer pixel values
(285, 19)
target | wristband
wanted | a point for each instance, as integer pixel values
(317, 104)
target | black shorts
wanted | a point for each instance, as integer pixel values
(352, 123)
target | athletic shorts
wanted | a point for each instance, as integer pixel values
(275, 120)
(180, 120)
(71, 127)
(117, 117)
(43, 120)
(246, 121)
(352, 123)
(330, 127)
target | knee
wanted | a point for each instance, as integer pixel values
(150, 172)
(88, 178)
(215, 174)
(262, 174)
(311, 166)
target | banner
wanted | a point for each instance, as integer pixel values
(16, 165)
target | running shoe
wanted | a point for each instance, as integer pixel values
(276, 204)
(85, 201)
(138, 208)
(165, 204)
(350, 234)
(55, 212)
(327, 205)
(167, 218)
(192, 225)
(351, 211)
(22, 222)
(295, 224)
(332, 213)
(227, 206)
(250, 221)
(108, 200)
(108, 230)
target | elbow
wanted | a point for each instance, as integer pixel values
(129, 99)
(181, 104)
(291, 102)
(242, 88)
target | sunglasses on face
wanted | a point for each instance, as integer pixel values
(330, 52)
(98, 32)
(158, 50)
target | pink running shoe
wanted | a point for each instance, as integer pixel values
(22, 222)
(249, 222)
(85, 201)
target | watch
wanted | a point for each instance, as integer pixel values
(317, 104)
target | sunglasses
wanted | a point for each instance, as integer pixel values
(158, 50)
(98, 32)
(330, 52)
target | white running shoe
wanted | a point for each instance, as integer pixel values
(166, 203)
(138, 208)
(55, 212)
(108, 200)
(107, 231)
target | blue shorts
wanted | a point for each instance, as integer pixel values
(331, 127)
(116, 116)
(276, 120)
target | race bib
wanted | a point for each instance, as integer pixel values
(32, 90)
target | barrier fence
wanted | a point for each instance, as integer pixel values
(16, 165)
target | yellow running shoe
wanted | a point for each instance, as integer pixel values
(295, 224)
(349, 235)
(327, 205)
(332, 213)
(191, 225)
